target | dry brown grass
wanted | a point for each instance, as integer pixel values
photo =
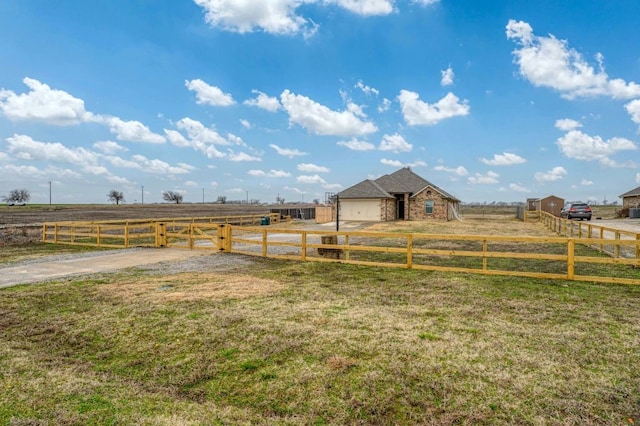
(191, 287)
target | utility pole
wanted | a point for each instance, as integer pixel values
(247, 197)
(49, 192)
(202, 195)
(142, 202)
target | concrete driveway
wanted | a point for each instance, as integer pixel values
(33, 272)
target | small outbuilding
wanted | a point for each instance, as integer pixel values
(631, 199)
(550, 204)
(402, 195)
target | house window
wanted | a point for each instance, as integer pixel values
(428, 207)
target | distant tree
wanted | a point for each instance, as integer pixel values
(279, 200)
(115, 196)
(172, 196)
(222, 199)
(20, 196)
(316, 201)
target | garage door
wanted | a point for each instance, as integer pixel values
(360, 210)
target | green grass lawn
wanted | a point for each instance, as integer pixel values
(316, 343)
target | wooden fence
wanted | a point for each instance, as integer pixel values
(581, 229)
(580, 254)
(539, 257)
(192, 233)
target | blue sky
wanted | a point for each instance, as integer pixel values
(492, 101)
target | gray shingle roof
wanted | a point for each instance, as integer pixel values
(631, 193)
(400, 182)
(365, 189)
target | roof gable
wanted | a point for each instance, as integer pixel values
(403, 181)
(365, 189)
(631, 193)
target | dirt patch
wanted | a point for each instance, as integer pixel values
(191, 287)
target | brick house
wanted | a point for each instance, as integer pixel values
(402, 195)
(631, 199)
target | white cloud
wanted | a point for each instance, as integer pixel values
(366, 89)
(357, 145)
(109, 147)
(176, 138)
(190, 183)
(580, 146)
(447, 77)
(281, 16)
(310, 179)
(425, 2)
(393, 163)
(633, 108)
(638, 178)
(294, 189)
(25, 148)
(273, 16)
(417, 112)
(365, 7)
(245, 123)
(385, 105)
(312, 168)
(567, 124)
(394, 143)
(460, 170)
(201, 138)
(242, 156)
(320, 120)
(396, 163)
(286, 152)
(264, 101)
(518, 188)
(549, 62)
(209, 95)
(43, 104)
(504, 159)
(554, 174)
(586, 182)
(480, 179)
(130, 131)
(271, 173)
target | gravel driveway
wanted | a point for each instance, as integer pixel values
(164, 261)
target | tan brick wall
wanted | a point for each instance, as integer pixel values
(388, 210)
(417, 206)
(631, 201)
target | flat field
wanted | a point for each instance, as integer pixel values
(291, 343)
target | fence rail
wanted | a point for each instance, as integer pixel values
(539, 257)
(580, 229)
(193, 233)
(588, 254)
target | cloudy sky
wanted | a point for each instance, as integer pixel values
(492, 101)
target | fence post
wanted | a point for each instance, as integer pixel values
(220, 236)
(571, 247)
(601, 238)
(126, 234)
(161, 234)
(410, 251)
(99, 237)
(264, 242)
(44, 232)
(303, 254)
(637, 249)
(484, 254)
(191, 234)
(227, 238)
